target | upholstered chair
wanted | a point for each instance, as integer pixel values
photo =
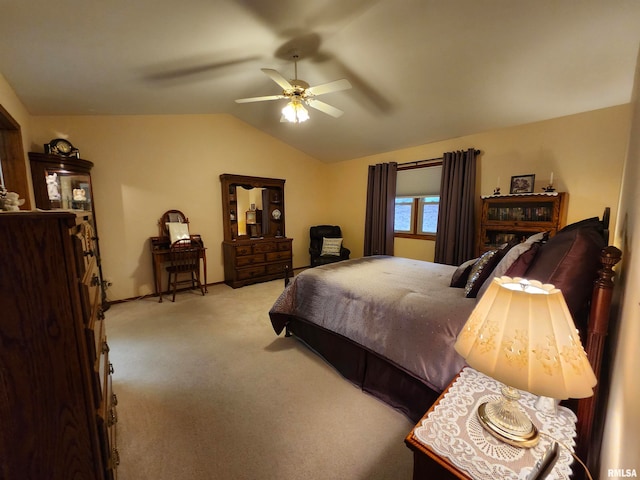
(325, 245)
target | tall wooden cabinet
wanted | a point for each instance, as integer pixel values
(57, 410)
(255, 246)
(505, 217)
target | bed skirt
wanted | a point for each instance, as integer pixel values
(367, 370)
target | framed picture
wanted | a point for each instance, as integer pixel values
(522, 183)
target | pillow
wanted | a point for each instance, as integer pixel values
(331, 247)
(178, 231)
(593, 222)
(513, 253)
(521, 264)
(488, 271)
(460, 276)
(570, 260)
(502, 266)
(480, 271)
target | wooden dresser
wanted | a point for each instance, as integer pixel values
(57, 410)
(255, 248)
(256, 260)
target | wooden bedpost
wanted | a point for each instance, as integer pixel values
(587, 447)
(286, 275)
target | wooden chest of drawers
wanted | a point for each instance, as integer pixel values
(57, 410)
(256, 260)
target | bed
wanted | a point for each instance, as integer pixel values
(388, 324)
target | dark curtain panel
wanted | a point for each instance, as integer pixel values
(381, 201)
(456, 220)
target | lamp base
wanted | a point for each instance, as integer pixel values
(505, 420)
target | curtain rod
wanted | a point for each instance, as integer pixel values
(428, 160)
(417, 162)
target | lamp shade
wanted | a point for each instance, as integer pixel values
(295, 112)
(521, 333)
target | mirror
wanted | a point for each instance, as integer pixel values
(172, 217)
(250, 211)
(253, 207)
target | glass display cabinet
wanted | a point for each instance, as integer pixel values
(61, 182)
(508, 217)
(64, 183)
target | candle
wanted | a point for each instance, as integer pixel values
(551, 179)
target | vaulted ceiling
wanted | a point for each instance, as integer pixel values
(421, 70)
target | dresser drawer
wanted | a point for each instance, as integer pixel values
(95, 335)
(249, 260)
(284, 246)
(264, 247)
(278, 268)
(108, 416)
(101, 372)
(114, 457)
(275, 256)
(243, 250)
(90, 290)
(252, 272)
(111, 402)
(86, 244)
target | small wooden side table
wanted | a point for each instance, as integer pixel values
(449, 442)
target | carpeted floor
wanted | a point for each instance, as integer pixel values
(206, 390)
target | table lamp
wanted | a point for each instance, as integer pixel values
(521, 333)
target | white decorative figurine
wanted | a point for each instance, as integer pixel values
(12, 202)
(52, 187)
(79, 195)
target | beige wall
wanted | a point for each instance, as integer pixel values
(621, 438)
(145, 165)
(16, 109)
(585, 152)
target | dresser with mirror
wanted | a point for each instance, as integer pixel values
(255, 248)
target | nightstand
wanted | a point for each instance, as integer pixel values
(449, 442)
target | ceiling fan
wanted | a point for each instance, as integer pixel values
(299, 93)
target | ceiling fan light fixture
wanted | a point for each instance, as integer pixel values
(295, 112)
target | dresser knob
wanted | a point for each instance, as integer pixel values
(113, 417)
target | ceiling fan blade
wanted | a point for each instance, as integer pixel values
(260, 99)
(276, 77)
(335, 86)
(324, 107)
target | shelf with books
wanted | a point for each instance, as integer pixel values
(505, 217)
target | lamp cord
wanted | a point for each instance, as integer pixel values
(571, 452)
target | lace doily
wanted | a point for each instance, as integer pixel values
(453, 431)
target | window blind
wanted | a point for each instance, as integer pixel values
(418, 182)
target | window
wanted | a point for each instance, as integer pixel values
(428, 214)
(416, 215)
(418, 201)
(404, 215)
